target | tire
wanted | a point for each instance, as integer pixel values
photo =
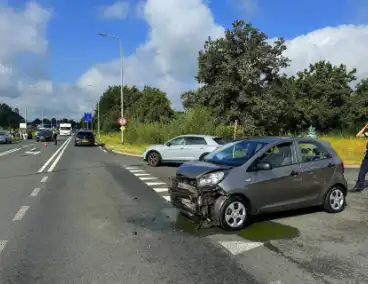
(233, 202)
(202, 156)
(335, 199)
(154, 158)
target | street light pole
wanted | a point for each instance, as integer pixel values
(122, 78)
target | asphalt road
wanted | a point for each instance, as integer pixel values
(82, 215)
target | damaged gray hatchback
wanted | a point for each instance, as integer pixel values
(260, 175)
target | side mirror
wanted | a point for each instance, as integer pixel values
(263, 167)
(168, 144)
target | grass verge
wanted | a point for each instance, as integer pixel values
(350, 149)
(112, 141)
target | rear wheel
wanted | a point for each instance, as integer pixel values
(234, 214)
(154, 158)
(335, 201)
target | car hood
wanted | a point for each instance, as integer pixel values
(155, 147)
(195, 169)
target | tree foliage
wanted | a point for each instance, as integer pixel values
(8, 117)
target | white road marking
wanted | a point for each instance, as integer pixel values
(161, 189)
(58, 158)
(154, 183)
(141, 174)
(53, 156)
(20, 214)
(9, 152)
(147, 178)
(2, 245)
(238, 247)
(132, 168)
(136, 171)
(44, 179)
(167, 198)
(104, 150)
(35, 192)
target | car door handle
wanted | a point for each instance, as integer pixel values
(294, 173)
(330, 165)
(181, 147)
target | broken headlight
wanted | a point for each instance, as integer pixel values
(211, 179)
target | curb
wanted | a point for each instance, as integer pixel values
(126, 154)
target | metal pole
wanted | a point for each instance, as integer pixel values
(98, 119)
(42, 118)
(121, 87)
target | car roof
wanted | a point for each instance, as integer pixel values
(198, 135)
(85, 130)
(272, 139)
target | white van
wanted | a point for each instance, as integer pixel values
(65, 129)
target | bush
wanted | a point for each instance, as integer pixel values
(196, 121)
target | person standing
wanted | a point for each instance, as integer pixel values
(359, 186)
(54, 134)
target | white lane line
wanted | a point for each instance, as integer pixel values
(136, 171)
(20, 214)
(35, 192)
(53, 156)
(142, 174)
(147, 178)
(2, 245)
(44, 179)
(58, 158)
(32, 149)
(104, 150)
(167, 198)
(238, 247)
(161, 189)
(131, 168)
(154, 183)
(9, 152)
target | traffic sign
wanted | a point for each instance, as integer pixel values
(122, 128)
(87, 117)
(122, 121)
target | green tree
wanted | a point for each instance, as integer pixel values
(323, 96)
(9, 118)
(236, 72)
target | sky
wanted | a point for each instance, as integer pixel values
(52, 57)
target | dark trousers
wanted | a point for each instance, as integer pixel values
(362, 173)
(55, 139)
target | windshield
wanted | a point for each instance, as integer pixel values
(219, 141)
(65, 128)
(2, 133)
(236, 153)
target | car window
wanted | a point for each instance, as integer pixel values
(279, 155)
(312, 152)
(85, 134)
(219, 140)
(195, 141)
(178, 141)
(235, 153)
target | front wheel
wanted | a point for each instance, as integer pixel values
(154, 159)
(234, 214)
(335, 201)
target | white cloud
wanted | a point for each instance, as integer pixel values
(346, 44)
(168, 59)
(118, 10)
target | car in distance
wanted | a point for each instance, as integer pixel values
(84, 138)
(5, 138)
(260, 175)
(44, 135)
(182, 148)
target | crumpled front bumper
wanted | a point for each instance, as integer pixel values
(196, 202)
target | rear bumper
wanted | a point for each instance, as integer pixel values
(82, 143)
